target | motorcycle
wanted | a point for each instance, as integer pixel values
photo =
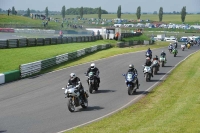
(74, 99)
(92, 82)
(175, 52)
(183, 47)
(163, 61)
(147, 72)
(148, 55)
(155, 67)
(188, 45)
(170, 50)
(130, 80)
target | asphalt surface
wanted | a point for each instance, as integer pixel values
(5, 36)
(37, 104)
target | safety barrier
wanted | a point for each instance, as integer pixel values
(25, 42)
(9, 76)
(11, 30)
(132, 43)
(35, 67)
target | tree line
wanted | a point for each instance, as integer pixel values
(86, 10)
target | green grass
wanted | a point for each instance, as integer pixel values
(137, 38)
(13, 20)
(12, 58)
(173, 106)
(104, 54)
(193, 18)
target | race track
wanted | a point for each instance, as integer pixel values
(37, 104)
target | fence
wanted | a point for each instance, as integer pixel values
(25, 42)
(132, 43)
(35, 67)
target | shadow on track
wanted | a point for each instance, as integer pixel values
(103, 91)
(90, 108)
(3, 131)
(156, 80)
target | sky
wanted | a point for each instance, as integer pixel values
(192, 6)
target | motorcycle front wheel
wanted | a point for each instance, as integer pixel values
(70, 105)
(162, 64)
(129, 90)
(90, 88)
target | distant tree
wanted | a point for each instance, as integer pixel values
(63, 12)
(81, 12)
(155, 12)
(47, 12)
(183, 13)
(160, 14)
(28, 12)
(99, 13)
(13, 10)
(138, 12)
(119, 12)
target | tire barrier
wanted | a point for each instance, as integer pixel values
(133, 43)
(26, 42)
(35, 67)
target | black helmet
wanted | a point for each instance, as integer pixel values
(148, 48)
(131, 66)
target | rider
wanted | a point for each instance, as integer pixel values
(163, 54)
(175, 44)
(132, 69)
(149, 52)
(96, 72)
(75, 81)
(170, 47)
(149, 63)
(156, 58)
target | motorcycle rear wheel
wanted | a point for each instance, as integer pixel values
(85, 105)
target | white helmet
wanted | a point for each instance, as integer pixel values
(92, 66)
(72, 76)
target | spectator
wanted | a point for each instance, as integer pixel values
(98, 33)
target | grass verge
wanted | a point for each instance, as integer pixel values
(173, 106)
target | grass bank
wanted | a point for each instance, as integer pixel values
(173, 106)
(12, 58)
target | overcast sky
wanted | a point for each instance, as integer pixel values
(108, 5)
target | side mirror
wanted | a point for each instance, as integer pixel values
(123, 74)
(63, 88)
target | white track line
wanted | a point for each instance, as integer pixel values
(135, 99)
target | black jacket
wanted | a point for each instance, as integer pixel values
(95, 71)
(132, 70)
(74, 82)
(148, 63)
